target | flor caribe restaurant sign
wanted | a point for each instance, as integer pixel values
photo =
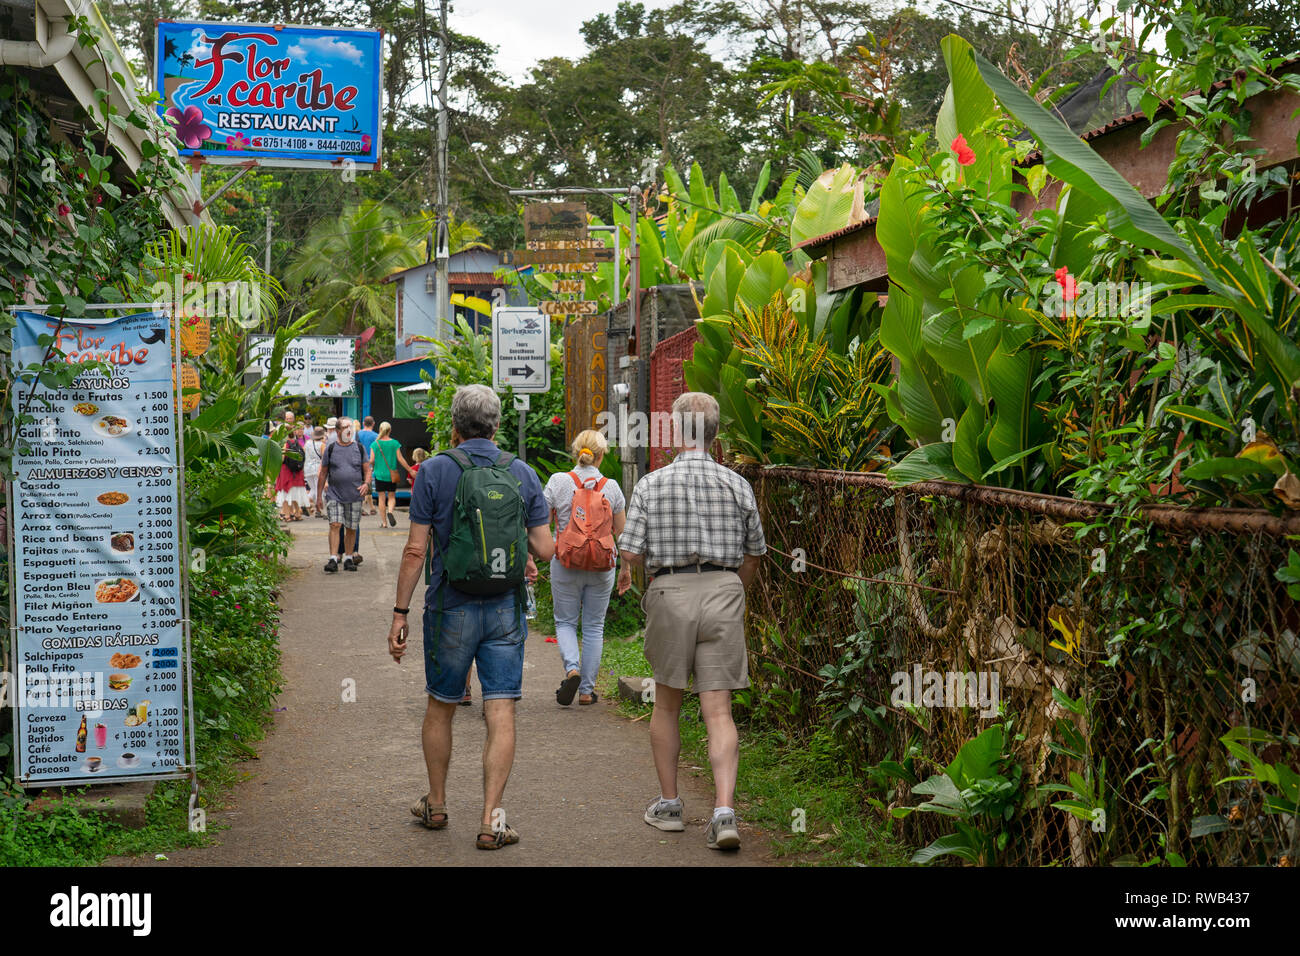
(282, 95)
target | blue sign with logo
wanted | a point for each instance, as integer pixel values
(234, 92)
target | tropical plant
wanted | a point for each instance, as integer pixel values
(344, 262)
(812, 402)
(979, 791)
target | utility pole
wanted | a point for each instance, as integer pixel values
(443, 244)
(267, 267)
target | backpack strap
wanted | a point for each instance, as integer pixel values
(505, 459)
(576, 480)
(601, 484)
(459, 457)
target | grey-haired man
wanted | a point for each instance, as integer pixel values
(344, 479)
(463, 630)
(695, 526)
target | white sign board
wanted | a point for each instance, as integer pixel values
(521, 350)
(314, 365)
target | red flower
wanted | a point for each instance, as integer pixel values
(965, 155)
(65, 209)
(1069, 288)
(189, 276)
(555, 419)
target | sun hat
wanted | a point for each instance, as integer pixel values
(332, 423)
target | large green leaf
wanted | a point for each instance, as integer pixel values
(652, 254)
(740, 411)
(966, 446)
(1017, 424)
(826, 206)
(978, 759)
(766, 276)
(723, 283)
(923, 394)
(760, 187)
(1071, 159)
(931, 462)
(967, 106)
(956, 844)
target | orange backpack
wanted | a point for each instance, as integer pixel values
(587, 541)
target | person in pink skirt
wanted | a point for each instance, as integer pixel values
(291, 485)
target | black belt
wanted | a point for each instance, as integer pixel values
(691, 569)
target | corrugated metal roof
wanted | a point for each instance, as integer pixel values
(375, 368)
(837, 234)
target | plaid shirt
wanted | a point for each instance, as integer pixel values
(694, 511)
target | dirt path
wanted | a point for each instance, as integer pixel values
(335, 780)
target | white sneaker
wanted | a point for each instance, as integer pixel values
(722, 833)
(665, 815)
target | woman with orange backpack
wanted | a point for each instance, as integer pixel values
(588, 510)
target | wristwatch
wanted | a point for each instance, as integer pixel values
(401, 610)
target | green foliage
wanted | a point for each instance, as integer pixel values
(979, 791)
(466, 359)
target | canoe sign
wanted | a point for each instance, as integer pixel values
(284, 96)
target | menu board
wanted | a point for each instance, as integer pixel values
(99, 648)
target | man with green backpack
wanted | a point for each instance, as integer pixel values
(487, 514)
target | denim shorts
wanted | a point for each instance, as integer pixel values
(488, 630)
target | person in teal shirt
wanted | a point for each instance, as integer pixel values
(385, 458)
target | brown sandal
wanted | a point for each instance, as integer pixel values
(495, 840)
(586, 703)
(422, 809)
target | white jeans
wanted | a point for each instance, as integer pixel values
(585, 592)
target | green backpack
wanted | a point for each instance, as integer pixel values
(487, 549)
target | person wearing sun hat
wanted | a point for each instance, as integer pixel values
(331, 430)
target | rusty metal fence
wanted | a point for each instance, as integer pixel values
(1054, 679)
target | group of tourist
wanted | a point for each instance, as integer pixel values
(480, 521)
(359, 462)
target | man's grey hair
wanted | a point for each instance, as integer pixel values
(695, 415)
(475, 411)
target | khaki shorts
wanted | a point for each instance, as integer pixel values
(695, 624)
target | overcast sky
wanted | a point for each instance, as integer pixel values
(526, 31)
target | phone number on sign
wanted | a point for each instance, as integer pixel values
(319, 145)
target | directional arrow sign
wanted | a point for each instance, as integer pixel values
(521, 350)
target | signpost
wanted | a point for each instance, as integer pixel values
(521, 356)
(556, 241)
(521, 350)
(276, 95)
(314, 365)
(555, 221)
(98, 583)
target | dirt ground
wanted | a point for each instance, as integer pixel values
(335, 780)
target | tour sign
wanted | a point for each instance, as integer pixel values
(521, 350)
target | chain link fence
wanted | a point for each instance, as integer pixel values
(1050, 681)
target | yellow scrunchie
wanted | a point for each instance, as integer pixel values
(587, 450)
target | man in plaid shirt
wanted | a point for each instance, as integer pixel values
(695, 526)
